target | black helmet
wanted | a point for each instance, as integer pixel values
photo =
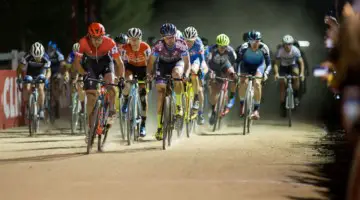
(121, 39)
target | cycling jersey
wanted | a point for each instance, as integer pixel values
(170, 55)
(33, 68)
(217, 62)
(206, 51)
(71, 57)
(288, 58)
(252, 61)
(55, 58)
(107, 47)
(137, 58)
(197, 52)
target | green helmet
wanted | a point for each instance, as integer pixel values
(222, 40)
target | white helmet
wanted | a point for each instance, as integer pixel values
(134, 33)
(288, 39)
(76, 47)
(179, 34)
(37, 50)
(190, 33)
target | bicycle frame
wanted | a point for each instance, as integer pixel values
(219, 107)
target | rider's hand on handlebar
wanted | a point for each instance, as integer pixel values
(265, 77)
(212, 75)
(276, 76)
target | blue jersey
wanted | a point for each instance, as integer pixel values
(71, 57)
(258, 58)
(55, 59)
(197, 52)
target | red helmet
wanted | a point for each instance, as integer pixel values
(96, 30)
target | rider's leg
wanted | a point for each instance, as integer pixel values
(92, 93)
(232, 85)
(195, 84)
(126, 90)
(41, 99)
(257, 92)
(144, 106)
(296, 84)
(109, 79)
(160, 87)
(241, 91)
(214, 96)
(177, 72)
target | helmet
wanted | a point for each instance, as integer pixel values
(121, 38)
(190, 33)
(179, 34)
(37, 50)
(76, 47)
(168, 29)
(134, 33)
(254, 35)
(52, 44)
(222, 40)
(205, 41)
(288, 39)
(96, 30)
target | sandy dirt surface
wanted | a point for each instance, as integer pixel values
(221, 165)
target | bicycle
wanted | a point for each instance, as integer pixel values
(98, 125)
(248, 102)
(289, 103)
(130, 123)
(32, 106)
(168, 117)
(220, 105)
(49, 115)
(78, 113)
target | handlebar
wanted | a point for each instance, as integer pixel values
(289, 77)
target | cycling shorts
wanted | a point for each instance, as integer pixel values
(164, 69)
(252, 69)
(139, 71)
(287, 70)
(95, 68)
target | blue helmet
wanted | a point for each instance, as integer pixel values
(254, 35)
(168, 29)
(52, 45)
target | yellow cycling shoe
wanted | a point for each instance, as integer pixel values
(159, 134)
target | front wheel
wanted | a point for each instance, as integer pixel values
(218, 110)
(94, 126)
(167, 120)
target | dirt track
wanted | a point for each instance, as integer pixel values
(263, 165)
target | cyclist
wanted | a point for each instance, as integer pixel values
(221, 62)
(121, 40)
(34, 65)
(198, 67)
(287, 57)
(206, 46)
(253, 58)
(59, 75)
(98, 52)
(173, 60)
(74, 76)
(137, 54)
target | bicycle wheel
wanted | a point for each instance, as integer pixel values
(188, 117)
(130, 120)
(251, 106)
(84, 118)
(103, 136)
(289, 103)
(31, 115)
(247, 110)
(93, 128)
(122, 120)
(138, 117)
(180, 119)
(218, 110)
(166, 121)
(225, 99)
(75, 110)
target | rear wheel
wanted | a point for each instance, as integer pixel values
(130, 120)
(122, 119)
(75, 111)
(103, 136)
(290, 105)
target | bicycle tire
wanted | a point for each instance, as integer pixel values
(129, 121)
(95, 122)
(189, 112)
(166, 121)
(171, 117)
(74, 113)
(218, 110)
(181, 119)
(122, 120)
(290, 100)
(84, 120)
(246, 111)
(138, 117)
(251, 106)
(225, 99)
(103, 136)
(30, 116)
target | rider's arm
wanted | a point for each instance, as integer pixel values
(277, 61)
(266, 51)
(187, 68)
(119, 69)
(147, 54)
